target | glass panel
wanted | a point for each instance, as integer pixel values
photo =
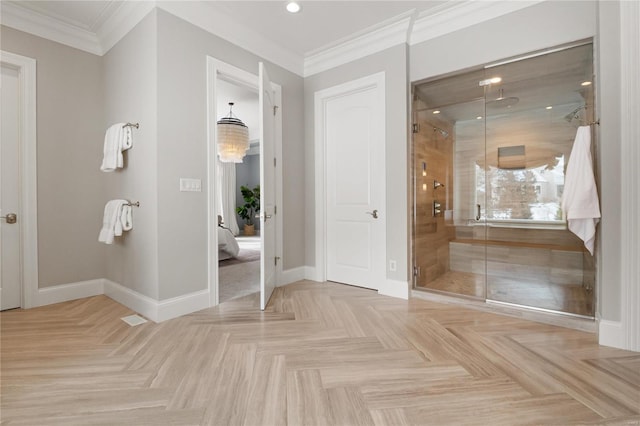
(531, 121)
(448, 239)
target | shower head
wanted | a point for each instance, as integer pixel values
(502, 102)
(444, 133)
(573, 114)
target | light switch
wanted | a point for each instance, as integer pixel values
(190, 185)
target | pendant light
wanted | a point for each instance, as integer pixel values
(233, 138)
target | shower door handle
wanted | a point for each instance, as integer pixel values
(478, 212)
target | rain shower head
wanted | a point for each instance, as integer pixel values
(502, 102)
(444, 133)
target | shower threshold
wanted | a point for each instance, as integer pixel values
(546, 316)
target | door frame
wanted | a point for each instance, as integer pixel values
(377, 81)
(215, 69)
(28, 223)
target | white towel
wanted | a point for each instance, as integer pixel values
(112, 221)
(126, 218)
(580, 196)
(116, 139)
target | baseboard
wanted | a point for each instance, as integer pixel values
(182, 305)
(311, 274)
(292, 275)
(394, 288)
(66, 292)
(157, 311)
(611, 333)
(144, 305)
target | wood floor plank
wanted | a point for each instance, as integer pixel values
(321, 353)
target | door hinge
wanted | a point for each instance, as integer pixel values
(274, 162)
(275, 209)
(275, 260)
(416, 271)
(275, 109)
(416, 127)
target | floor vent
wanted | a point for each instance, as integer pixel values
(134, 320)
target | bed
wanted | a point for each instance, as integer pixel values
(227, 244)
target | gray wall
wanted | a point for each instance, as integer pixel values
(70, 131)
(131, 86)
(393, 62)
(608, 99)
(537, 27)
(182, 152)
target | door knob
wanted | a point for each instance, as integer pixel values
(374, 214)
(267, 216)
(10, 218)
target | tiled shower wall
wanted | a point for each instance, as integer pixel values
(433, 161)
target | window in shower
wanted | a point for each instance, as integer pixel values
(495, 230)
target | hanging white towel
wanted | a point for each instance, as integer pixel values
(126, 218)
(116, 140)
(580, 196)
(112, 221)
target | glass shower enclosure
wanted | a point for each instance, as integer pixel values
(489, 154)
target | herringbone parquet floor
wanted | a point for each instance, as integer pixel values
(321, 354)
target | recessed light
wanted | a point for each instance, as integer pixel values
(549, 107)
(436, 111)
(585, 83)
(293, 7)
(489, 81)
(479, 117)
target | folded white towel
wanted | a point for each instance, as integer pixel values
(117, 139)
(580, 196)
(112, 221)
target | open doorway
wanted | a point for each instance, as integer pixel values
(240, 258)
(238, 188)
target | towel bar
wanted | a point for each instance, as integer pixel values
(133, 204)
(136, 125)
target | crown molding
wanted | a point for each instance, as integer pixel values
(214, 20)
(121, 21)
(448, 18)
(371, 40)
(409, 27)
(33, 22)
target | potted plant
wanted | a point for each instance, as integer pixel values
(250, 208)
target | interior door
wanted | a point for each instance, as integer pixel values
(355, 184)
(10, 276)
(268, 257)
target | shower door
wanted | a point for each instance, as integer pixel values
(490, 148)
(448, 143)
(533, 260)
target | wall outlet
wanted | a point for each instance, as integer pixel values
(392, 265)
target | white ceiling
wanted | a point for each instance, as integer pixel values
(319, 24)
(324, 34)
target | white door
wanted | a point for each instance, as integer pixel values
(10, 275)
(354, 136)
(268, 257)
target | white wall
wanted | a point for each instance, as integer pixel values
(70, 132)
(393, 62)
(131, 87)
(182, 152)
